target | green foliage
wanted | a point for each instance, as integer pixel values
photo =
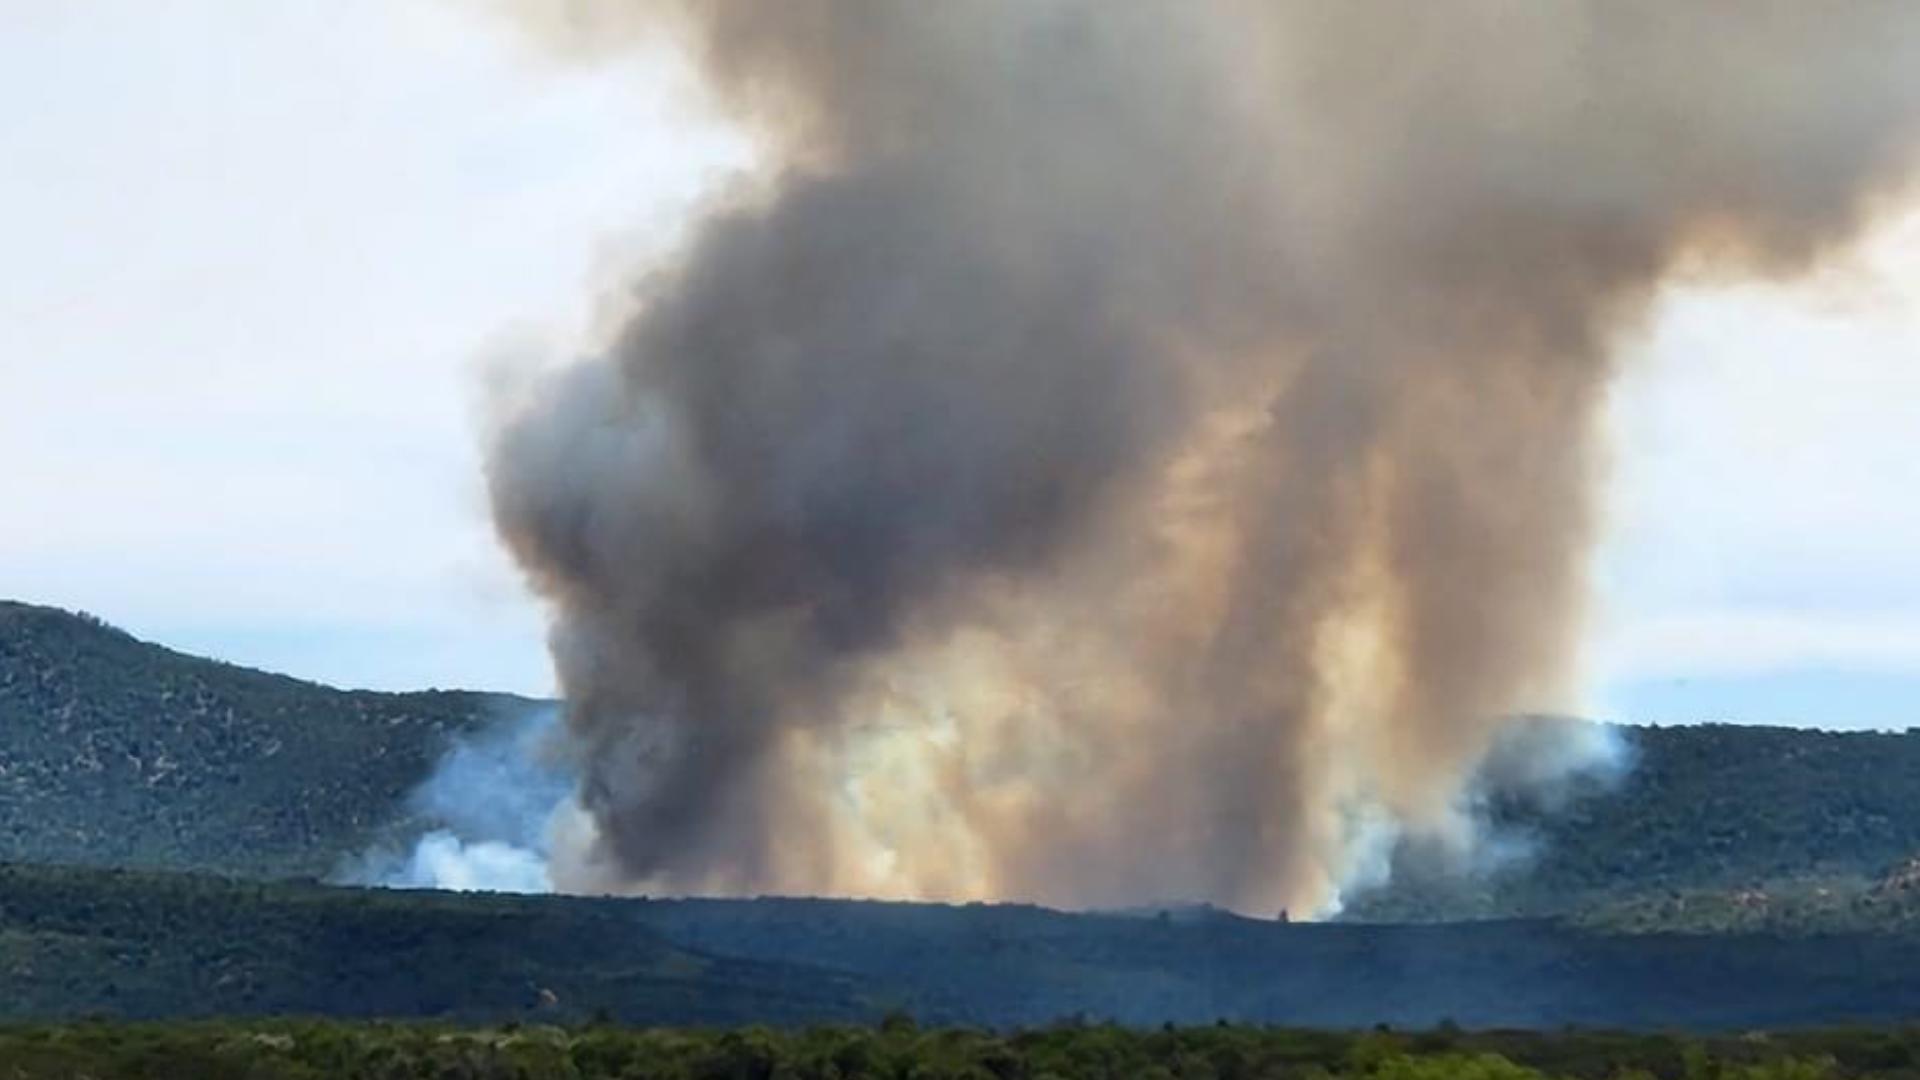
(114, 752)
(304, 1050)
(1703, 809)
(1818, 906)
(1727, 806)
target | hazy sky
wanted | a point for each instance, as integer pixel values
(254, 259)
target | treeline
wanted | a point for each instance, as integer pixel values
(898, 1050)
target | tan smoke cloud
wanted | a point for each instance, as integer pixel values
(1133, 449)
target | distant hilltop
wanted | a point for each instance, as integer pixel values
(119, 752)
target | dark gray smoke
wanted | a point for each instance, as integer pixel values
(1138, 449)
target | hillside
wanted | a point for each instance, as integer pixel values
(117, 752)
(1710, 808)
(77, 941)
(1724, 805)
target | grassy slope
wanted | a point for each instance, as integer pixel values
(114, 751)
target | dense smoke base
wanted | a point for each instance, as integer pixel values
(1137, 449)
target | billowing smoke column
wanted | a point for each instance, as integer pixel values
(1133, 450)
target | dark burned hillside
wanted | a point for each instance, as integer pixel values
(75, 942)
(114, 751)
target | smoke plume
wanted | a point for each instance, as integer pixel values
(1134, 449)
(483, 819)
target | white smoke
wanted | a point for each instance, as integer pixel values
(486, 818)
(1540, 768)
(442, 860)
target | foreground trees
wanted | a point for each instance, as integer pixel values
(897, 1049)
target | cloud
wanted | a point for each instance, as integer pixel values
(252, 253)
(1761, 518)
(1747, 642)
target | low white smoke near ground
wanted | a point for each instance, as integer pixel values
(501, 802)
(486, 818)
(441, 860)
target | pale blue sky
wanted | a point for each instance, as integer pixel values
(256, 257)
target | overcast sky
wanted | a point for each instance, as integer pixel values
(254, 257)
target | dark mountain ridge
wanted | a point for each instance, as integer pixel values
(85, 941)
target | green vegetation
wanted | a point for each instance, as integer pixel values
(114, 752)
(1823, 905)
(1743, 812)
(1723, 806)
(899, 1049)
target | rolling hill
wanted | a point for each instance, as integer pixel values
(1705, 809)
(1733, 877)
(117, 752)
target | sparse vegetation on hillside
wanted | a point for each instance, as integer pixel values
(1724, 805)
(115, 752)
(1710, 808)
(1822, 905)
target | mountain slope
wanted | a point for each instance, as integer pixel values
(1709, 807)
(120, 753)
(1721, 806)
(117, 752)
